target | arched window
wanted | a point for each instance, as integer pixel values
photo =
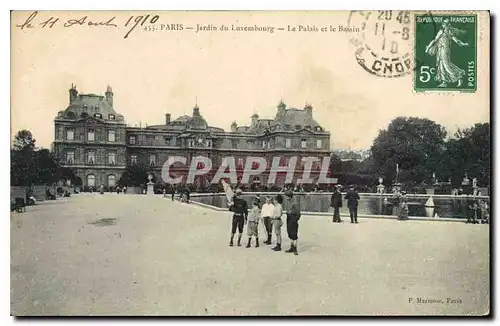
(91, 180)
(111, 180)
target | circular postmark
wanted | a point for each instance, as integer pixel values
(384, 42)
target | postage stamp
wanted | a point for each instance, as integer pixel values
(445, 53)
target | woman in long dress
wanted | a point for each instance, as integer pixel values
(446, 71)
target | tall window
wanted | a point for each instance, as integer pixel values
(152, 160)
(111, 180)
(91, 180)
(91, 157)
(303, 143)
(70, 157)
(70, 134)
(133, 159)
(209, 143)
(319, 143)
(288, 143)
(240, 162)
(234, 143)
(111, 135)
(91, 135)
(112, 158)
(131, 140)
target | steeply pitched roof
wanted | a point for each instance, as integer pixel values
(90, 104)
(295, 117)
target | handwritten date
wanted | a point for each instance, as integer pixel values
(51, 22)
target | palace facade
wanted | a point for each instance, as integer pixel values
(94, 140)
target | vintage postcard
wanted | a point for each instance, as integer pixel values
(250, 163)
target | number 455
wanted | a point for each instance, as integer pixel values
(425, 73)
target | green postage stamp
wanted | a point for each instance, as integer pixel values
(445, 52)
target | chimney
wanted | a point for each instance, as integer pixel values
(167, 118)
(109, 95)
(73, 93)
(255, 119)
(234, 126)
(309, 109)
(281, 108)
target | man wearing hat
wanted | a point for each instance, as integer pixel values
(240, 210)
(336, 203)
(292, 220)
(352, 202)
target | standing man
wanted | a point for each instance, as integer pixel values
(352, 202)
(336, 203)
(267, 215)
(240, 210)
(292, 220)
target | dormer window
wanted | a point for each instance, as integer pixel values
(98, 115)
(287, 127)
(111, 117)
(85, 107)
(298, 127)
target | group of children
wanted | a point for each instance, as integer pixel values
(270, 214)
(481, 213)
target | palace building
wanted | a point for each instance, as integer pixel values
(94, 140)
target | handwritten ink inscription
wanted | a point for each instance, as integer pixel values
(133, 21)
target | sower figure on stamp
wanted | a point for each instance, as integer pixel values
(277, 222)
(267, 214)
(336, 203)
(253, 224)
(240, 210)
(292, 220)
(440, 46)
(352, 203)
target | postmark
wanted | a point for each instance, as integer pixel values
(383, 45)
(445, 52)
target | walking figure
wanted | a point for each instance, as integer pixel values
(440, 46)
(336, 203)
(352, 203)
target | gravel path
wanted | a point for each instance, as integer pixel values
(138, 255)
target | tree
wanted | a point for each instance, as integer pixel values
(24, 141)
(415, 144)
(469, 152)
(31, 166)
(134, 175)
(46, 167)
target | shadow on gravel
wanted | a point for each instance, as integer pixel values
(104, 222)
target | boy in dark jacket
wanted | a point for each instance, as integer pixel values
(292, 220)
(240, 209)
